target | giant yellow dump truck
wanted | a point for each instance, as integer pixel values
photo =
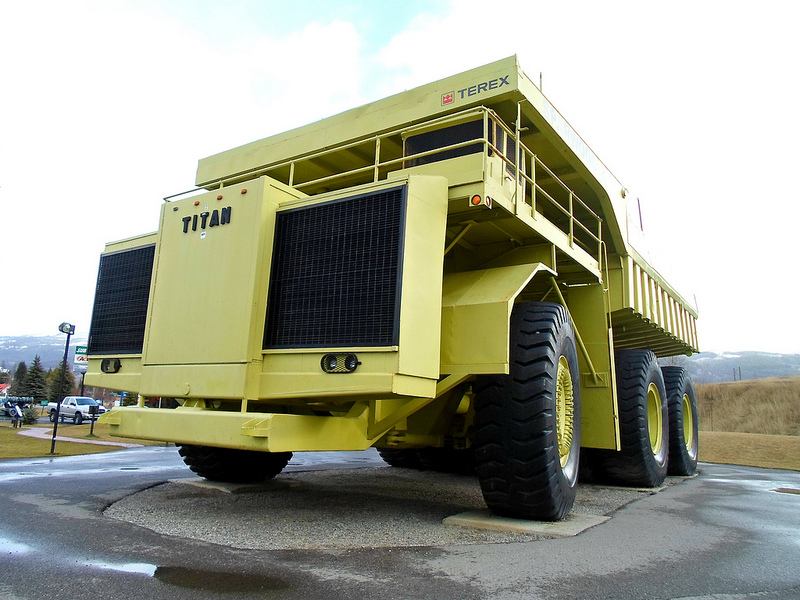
(446, 274)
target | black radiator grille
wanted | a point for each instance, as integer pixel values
(336, 271)
(120, 302)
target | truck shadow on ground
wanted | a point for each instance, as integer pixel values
(337, 509)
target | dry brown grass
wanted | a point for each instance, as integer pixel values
(768, 406)
(754, 423)
(750, 449)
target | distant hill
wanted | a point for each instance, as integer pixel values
(706, 367)
(50, 348)
(709, 367)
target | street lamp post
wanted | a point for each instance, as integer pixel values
(69, 330)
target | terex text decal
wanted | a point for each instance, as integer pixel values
(474, 90)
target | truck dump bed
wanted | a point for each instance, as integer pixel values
(563, 194)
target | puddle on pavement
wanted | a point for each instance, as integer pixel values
(218, 582)
(142, 568)
(195, 579)
(9, 547)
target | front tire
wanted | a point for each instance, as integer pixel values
(78, 418)
(643, 422)
(683, 422)
(527, 423)
(231, 465)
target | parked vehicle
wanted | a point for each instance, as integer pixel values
(449, 275)
(77, 408)
(10, 405)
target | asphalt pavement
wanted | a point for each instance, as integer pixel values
(134, 524)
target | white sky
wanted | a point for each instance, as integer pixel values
(106, 106)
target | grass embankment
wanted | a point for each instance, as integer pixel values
(14, 445)
(750, 449)
(754, 423)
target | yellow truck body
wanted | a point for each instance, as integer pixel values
(351, 283)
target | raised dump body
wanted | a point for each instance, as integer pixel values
(445, 274)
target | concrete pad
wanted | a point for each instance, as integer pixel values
(236, 488)
(483, 519)
(350, 508)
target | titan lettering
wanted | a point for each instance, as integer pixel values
(485, 86)
(207, 219)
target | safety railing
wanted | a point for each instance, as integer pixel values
(536, 185)
(561, 205)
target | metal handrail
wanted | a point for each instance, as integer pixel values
(522, 149)
(523, 156)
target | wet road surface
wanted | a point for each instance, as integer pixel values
(731, 533)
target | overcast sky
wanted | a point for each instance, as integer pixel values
(106, 106)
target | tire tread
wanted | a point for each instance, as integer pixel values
(516, 444)
(233, 465)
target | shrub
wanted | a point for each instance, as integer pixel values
(29, 416)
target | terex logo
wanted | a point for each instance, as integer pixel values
(484, 86)
(207, 219)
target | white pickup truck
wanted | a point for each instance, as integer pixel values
(77, 408)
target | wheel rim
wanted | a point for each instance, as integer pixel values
(565, 410)
(654, 418)
(688, 423)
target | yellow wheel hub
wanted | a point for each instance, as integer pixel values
(655, 423)
(688, 422)
(565, 410)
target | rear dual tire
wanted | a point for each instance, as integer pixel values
(683, 422)
(643, 423)
(442, 460)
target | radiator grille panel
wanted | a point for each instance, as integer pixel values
(336, 271)
(120, 302)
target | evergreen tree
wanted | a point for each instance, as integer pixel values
(57, 391)
(36, 381)
(18, 382)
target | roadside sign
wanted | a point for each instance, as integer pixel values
(80, 356)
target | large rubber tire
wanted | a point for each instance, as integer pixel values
(233, 466)
(403, 458)
(527, 423)
(52, 416)
(442, 460)
(683, 421)
(448, 460)
(78, 418)
(643, 422)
